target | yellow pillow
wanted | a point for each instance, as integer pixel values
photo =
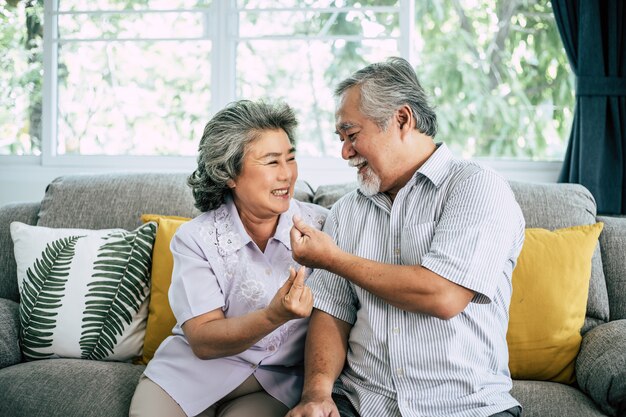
(160, 317)
(549, 302)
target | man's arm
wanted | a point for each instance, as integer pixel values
(408, 287)
(325, 355)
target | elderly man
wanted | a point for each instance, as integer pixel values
(412, 294)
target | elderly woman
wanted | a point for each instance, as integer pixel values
(238, 296)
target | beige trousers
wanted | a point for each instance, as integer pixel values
(247, 400)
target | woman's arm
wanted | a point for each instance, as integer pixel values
(212, 335)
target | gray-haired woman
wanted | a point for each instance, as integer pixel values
(239, 298)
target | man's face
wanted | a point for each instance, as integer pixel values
(365, 145)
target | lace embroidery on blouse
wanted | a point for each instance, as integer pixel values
(240, 284)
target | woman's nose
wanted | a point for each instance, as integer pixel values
(284, 172)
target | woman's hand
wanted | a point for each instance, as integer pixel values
(293, 300)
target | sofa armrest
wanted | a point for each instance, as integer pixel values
(21, 212)
(613, 248)
(10, 352)
(601, 366)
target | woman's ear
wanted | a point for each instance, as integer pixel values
(231, 184)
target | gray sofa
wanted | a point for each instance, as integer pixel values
(72, 387)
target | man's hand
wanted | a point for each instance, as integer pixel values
(311, 247)
(321, 406)
(293, 300)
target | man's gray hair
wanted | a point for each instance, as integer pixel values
(224, 144)
(387, 86)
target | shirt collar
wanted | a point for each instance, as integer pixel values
(285, 222)
(236, 224)
(435, 168)
(282, 229)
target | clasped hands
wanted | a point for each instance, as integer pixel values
(294, 299)
(311, 247)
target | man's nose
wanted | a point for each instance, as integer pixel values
(347, 150)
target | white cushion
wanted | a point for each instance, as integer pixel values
(84, 293)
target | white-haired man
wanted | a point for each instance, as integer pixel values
(414, 280)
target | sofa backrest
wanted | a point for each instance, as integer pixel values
(99, 201)
(102, 201)
(106, 201)
(21, 212)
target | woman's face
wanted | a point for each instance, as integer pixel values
(266, 182)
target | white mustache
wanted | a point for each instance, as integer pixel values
(357, 160)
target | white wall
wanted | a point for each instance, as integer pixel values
(27, 181)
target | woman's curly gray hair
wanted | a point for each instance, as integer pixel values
(224, 144)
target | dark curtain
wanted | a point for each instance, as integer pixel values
(594, 36)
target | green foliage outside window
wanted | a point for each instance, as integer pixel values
(500, 76)
(496, 70)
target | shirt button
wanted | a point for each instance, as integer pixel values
(268, 271)
(396, 330)
(271, 348)
(400, 372)
(396, 251)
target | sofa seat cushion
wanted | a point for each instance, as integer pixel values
(68, 387)
(551, 399)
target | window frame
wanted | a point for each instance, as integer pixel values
(223, 15)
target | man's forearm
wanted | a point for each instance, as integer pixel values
(408, 287)
(325, 354)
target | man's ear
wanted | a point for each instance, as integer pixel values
(404, 118)
(231, 184)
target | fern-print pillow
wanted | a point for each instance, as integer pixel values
(84, 293)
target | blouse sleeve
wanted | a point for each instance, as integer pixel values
(195, 289)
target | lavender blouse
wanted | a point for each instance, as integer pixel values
(217, 265)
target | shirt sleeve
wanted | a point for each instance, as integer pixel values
(195, 289)
(479, 235)
(332, 293)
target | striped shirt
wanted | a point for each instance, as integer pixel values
(462, 222)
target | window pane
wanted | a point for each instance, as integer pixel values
(74, 5)
(134, 25)
(20, 78)
(133, 98)
(253, 4)
(304, 73)
(500, 77)
(313, 23)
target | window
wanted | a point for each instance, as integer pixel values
(500, 77)
(142, 77)
(21, 66)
